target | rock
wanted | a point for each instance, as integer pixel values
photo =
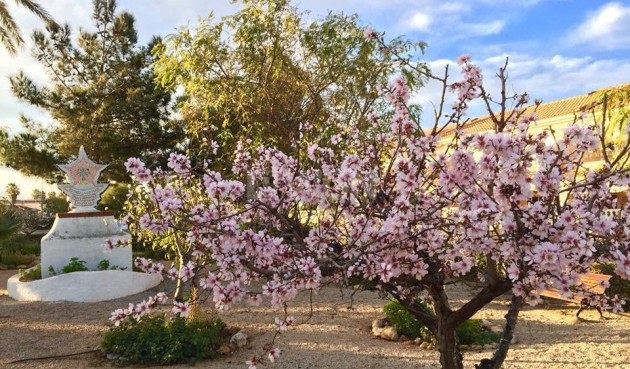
(486, 323)
(408, 343)
(23, 266)
(113, 356)
(226, 349)
(418, 341)
(3, 267)
(489, 346)
(389, 333)
(424, 345)
(376, 332)
(403, 338)
(496, 328)
(378, 323)
(475, 347)
(239, 339)
(514, 340)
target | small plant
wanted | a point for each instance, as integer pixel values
(156, 339)
(404, 322)
(103, 264)
(470, 332)
(31, 274)
(15, 258)
(618, 285)
(52, 270)
(75, 265)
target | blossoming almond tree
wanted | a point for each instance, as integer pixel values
(411, 209)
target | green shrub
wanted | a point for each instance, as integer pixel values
(22, 243)
(618, 285)
(30, 274)
(75, 265)
(15, 258)
(470, 332)
(103, 264)
(155, 339)
(404, 322)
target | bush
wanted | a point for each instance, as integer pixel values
(30, 274)
(15, 258)
(404, 322)
(75, 265)
(618, 285)
(470, 332)
(155, 339)
(23, 244)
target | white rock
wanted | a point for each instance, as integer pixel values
(239, 339)
(376, 332)
(514, 340)
(378, 323)
(389, 333)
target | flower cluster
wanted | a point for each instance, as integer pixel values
(407, 209)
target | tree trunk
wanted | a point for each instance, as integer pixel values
(508, 333)
(450, 357)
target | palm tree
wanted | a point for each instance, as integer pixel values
(12, 191)
(10, 222)
(9, 31)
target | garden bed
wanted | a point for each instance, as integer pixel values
(335, 337)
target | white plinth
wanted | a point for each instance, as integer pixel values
(83, 286)
(83, 235)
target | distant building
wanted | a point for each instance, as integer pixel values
(29, 204)
(557, 115)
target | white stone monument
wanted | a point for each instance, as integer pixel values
(83, 233)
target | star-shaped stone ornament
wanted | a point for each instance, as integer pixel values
(84, 189)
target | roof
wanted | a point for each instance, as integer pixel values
(548, 110)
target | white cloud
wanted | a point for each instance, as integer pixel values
(419, 21)
(550, 78)
(484, 29)
(605, 28)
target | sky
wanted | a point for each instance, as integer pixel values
(556, 48)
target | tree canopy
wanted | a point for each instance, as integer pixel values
(101, 94)
(10, 36)
(263, 72)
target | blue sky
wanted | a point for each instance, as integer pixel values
(557, 48)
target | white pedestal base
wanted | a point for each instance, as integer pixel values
(83, 235)
(83, 286)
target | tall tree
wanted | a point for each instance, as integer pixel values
(101, 94)
(13, 191)
(261, 73)
(10, 36)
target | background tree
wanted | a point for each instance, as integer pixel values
(12, 191)
(10, 36)
(54, 205)
(10, 222)
(38, 195)
(262, 72)
(101, 95)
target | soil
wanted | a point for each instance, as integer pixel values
(336, 336)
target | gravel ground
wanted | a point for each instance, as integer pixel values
(335, 337)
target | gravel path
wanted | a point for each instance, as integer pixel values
(335, 337)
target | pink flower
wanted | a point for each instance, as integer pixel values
(181, 308)
(369, 33)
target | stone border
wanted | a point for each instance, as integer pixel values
(83, 286)
(87, 214)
